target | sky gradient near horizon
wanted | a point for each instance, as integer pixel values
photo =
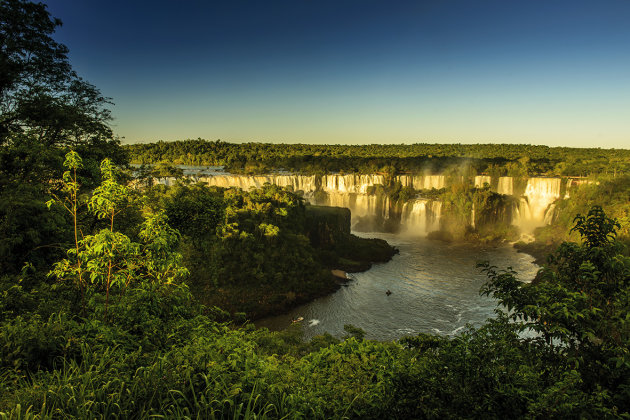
(349, 71)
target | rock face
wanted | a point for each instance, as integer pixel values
(327, 226)
(328, 229)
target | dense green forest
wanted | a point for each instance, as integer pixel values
(493, 159)
(109, 290)
(263, 251)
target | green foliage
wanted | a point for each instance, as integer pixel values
(109, 198)
(489, 222)
(70, 201)
(261, 240)
(70, 185)
(111, 260)
(483, 373)
(580, 306)
(161, 264)
(596, 230)
(518, 160)
(194, 210)
(158, 355)
(166, 169)
(261, 251)
(353, 331)
(45, 108)
(39, 92)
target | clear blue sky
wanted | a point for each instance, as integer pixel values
(532, 71)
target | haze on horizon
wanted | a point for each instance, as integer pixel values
(554, 73)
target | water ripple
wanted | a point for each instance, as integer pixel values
(435, 288)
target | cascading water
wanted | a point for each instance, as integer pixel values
(361, 205)
(414, 216)
(431, 181)
(240, 181)
(365, 205)
(540, 193)
(550, 214)
(371, 206)
(436, 214)
(405, 180)
(421, 216)
(422, 182)
(350, 183)
(505, 185)
(480, 180)
(297, 182)
(168, 181)
(246, 182)
(334, 199)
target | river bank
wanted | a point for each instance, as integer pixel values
(434, 288)
(348, 254)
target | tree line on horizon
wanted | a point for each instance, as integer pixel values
(495, 159)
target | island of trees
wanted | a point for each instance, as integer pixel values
(118, 300)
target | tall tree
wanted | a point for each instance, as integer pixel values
(40, 94)
(45, 109)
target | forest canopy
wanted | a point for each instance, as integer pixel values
(493, 159)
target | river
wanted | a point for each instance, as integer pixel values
(434, 289)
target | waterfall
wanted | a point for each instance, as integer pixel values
(550, 214)
(245, 182)
(540, 193)
(338, 200)
(422, 182)
(361, 205)
(241, 181)
(375, 206)
(414, 216)
(436, 214)
(168, 181)
(405, 180)
(349, 191)
(506, 185)
(350, 183)
(429, 182)
(480, 180)
(421, 216)
(297, 182)
(535, 208)
(365, 205)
